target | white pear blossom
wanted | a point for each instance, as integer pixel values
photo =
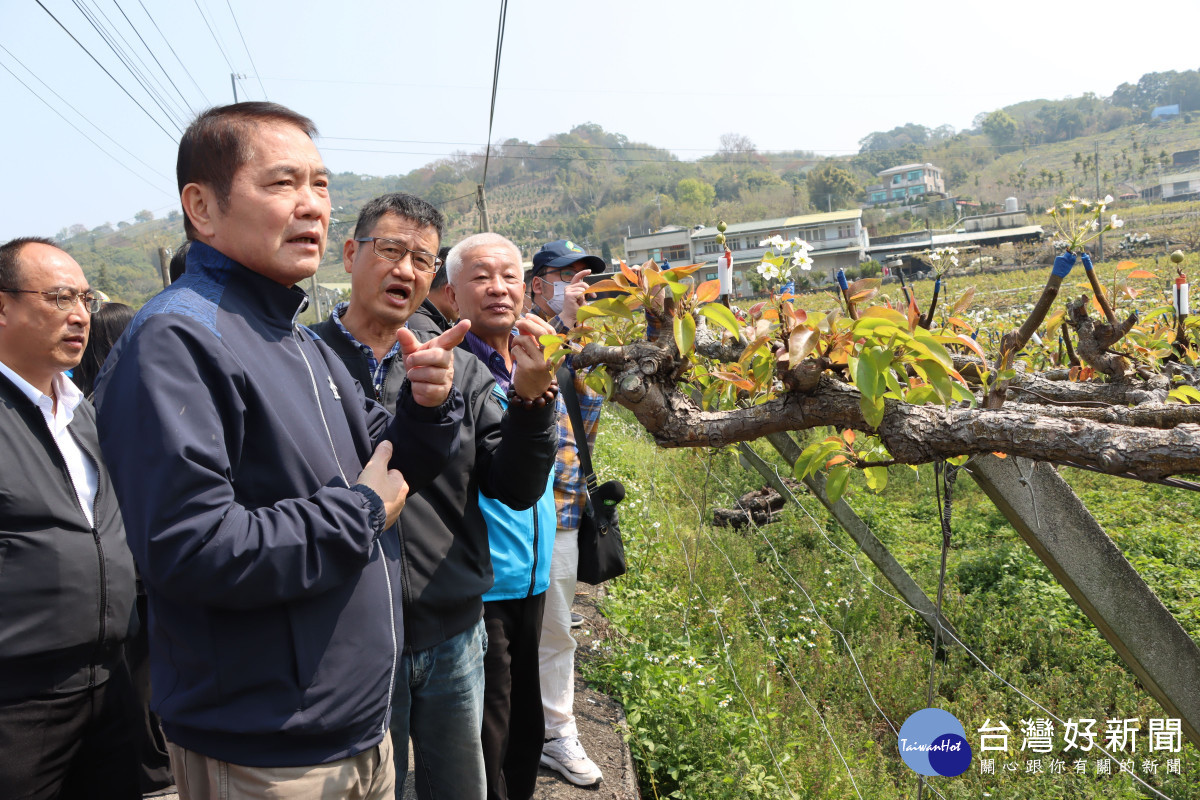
(775, 241)
(1117, 223)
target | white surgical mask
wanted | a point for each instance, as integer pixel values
(556, 300)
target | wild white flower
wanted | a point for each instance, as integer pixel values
(627, 675)
(827, 572)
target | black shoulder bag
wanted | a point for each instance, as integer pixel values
(601, 551)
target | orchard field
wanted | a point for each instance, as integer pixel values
(775, 661)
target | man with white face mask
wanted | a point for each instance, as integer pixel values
(559, 289)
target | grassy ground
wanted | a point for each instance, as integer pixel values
(745, 659)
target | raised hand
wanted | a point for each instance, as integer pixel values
(532, 374)
(574, 298)
(389, 484)
(430, 365)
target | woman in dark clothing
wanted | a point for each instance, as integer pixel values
(107, 326)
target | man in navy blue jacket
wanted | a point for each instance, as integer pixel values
(260, 487)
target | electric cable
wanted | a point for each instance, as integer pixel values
(106, 72)
(246, 48)
(80, 113)
(213, 33)
(172, 49)
(80, 132)
(109, 40)
(495, 86)
(161, 68)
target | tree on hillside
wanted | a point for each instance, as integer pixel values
(830, 186)
(693, 192)
(736, 147)
(145, 215)
(908, 134)
(1000, 127)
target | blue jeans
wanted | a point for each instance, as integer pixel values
(439, 703)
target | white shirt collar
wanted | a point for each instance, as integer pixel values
(68, 394)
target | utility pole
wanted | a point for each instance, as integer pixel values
(481, 202)
(1100, 239)
(164, 261)
(233, 76)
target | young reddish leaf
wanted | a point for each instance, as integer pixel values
(630, 274)
(833, 462)
(1124, 265)
(609, 285)
(963, 302)
(913, 313)
(849, 436)
(800, 344)
(757, 307)
(1142, 273)
(708, 291)
(973, 346)
(1000, 455)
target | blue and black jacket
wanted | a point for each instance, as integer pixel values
(234, 440)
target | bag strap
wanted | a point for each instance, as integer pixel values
(566, 387)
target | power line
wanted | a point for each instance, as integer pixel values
(106, 72)
(495, 86)
(108, 39)
(143, 76)
(214, 36)
(247, 49)
(80, 113)
(77, 130)
(172, 49)
(170, 80)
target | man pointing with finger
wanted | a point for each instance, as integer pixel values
(506, 455)
(260, 487)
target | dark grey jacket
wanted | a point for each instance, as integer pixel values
(447, 566)
(66, 587)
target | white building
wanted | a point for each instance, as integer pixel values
(905, 181)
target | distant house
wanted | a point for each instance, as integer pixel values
(672, 244)
(907, 180)
(1184, 186)
(1165, 112)
(1185, 158)
(838, 238)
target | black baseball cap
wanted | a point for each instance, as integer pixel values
(563, 253)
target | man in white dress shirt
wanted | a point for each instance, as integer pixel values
(66, 574)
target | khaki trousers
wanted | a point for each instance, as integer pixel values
(369, 775)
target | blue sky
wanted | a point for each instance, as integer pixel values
(789, 75)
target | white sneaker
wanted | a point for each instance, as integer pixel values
(567, 756)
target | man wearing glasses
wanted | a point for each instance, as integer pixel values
(67, 584)
(444, 540)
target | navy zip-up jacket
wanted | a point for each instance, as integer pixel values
(233, 438)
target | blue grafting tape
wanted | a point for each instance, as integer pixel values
(1063, 264)
(841, 279)
(937, 284)
(1087, 262)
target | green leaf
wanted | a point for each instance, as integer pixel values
(813, 456)
(722, 316)
(872, 409)
(1184, 394)
(835, 483)
(876, 478)
(685, 333)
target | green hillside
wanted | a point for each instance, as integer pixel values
(596, 187)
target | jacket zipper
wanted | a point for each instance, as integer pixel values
(533, 572)
(101, 626)
(298, 338)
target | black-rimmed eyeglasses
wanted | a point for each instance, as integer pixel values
(66, 298)
(392, 250)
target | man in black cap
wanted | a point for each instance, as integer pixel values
(559, 289)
